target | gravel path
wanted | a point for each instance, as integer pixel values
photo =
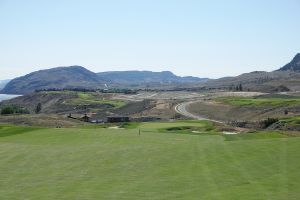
(181, 109)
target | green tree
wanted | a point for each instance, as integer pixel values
(38, 108)
(240, 87)
(7, 110)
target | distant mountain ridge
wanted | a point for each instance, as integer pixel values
(60, 77)
(138, 77)
(294, 65)
(3, 83)
(79, 77)
(285, 78)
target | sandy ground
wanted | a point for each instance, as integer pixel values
(182, 109)
(229, 133)
(180, 95)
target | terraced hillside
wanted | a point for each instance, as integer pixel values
(96, 105)
(248, 108)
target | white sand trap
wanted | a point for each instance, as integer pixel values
(115, 127)
(229, 133)
(197, 132)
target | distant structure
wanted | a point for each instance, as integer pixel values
(85, 118)
(97, 121)
(116, 119)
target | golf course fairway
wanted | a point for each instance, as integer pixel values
(162, 162)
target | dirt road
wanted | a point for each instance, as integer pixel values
(181, 109)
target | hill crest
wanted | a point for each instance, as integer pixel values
(59, 77)
(294, 65)
(80, 77)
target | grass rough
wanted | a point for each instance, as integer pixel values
(246, 101)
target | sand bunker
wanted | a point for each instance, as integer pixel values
(229, 133)
(115, 127)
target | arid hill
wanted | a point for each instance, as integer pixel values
(60, 77)
(285, 79)
(79, 77)
(294, 65)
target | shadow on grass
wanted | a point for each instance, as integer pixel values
(6, 130)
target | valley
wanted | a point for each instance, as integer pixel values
(237, 109)
(113, 138)
(149, 100)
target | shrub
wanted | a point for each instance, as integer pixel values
(38, 108)
(268, 122)
(7, 110)
(13, 109)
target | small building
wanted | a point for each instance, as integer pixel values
(116, 119)
(97, 121)
(85, 118)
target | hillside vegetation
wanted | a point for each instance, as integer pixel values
(89, 99)
(243, 101)
(64, 102)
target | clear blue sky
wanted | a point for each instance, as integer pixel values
(209, 38)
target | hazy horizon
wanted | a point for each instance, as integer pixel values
(209, 39)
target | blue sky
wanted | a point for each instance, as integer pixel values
(205, 38)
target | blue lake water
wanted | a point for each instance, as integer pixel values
(7, 96)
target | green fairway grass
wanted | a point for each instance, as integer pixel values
(242, 101)
(254, 136)
(118, 163)
(86, 98)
